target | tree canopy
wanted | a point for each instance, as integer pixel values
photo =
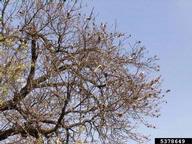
(65, 78)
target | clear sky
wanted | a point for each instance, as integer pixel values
(165, 28)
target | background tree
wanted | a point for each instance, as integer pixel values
(66, 79)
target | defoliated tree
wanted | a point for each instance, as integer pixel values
(66, 79)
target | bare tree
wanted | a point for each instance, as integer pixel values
(66, 79)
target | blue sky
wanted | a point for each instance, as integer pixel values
(165, 28)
